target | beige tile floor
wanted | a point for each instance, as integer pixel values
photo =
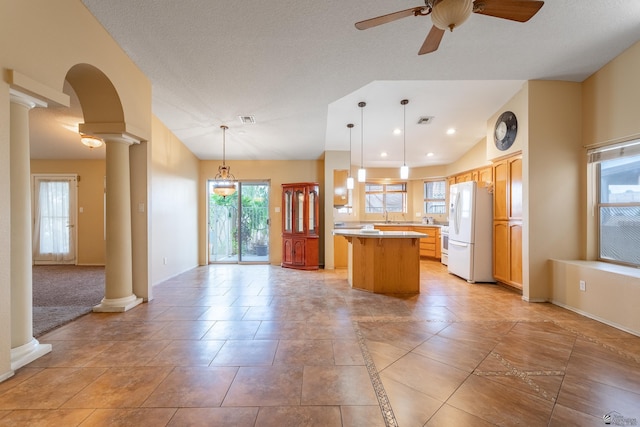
(258, 345)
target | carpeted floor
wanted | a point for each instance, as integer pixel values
(62, 293)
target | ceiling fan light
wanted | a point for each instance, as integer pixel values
(449, 14)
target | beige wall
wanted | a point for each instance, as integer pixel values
(90, 224)
(277, 172)
(552, 195)
(611, 101)
(173, 205)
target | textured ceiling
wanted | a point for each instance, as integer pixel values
(300, 67)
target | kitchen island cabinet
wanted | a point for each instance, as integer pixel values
(386, 262)
(429, 246)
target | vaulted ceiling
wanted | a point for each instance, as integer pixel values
(300, 67)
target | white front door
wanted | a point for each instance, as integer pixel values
(54, 219)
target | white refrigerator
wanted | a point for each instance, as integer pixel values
(471, 232)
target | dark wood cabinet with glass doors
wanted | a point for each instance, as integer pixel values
(300, 234)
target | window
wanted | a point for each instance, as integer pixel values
(380, 198)
(435, 194)
(618, 203)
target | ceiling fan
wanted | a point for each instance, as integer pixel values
(449, 14)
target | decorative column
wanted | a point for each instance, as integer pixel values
(24, 347)
(119, 294)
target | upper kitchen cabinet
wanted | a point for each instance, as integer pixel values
(300, 220)
(507, 221)
(507, 201)
(340, 192)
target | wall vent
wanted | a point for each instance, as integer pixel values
(247, 120)
(425, 120)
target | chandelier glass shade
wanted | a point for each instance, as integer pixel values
(224, 183)
(449, 14)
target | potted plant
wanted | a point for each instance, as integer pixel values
(260, 243)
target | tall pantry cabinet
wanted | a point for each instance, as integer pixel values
(507, 221)
(300, 234)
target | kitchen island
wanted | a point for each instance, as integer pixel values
(386, 262)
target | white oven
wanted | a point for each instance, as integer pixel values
(444, 244)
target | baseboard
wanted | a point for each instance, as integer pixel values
(599, 319)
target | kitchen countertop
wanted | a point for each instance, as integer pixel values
(350, 232)
(358, 225)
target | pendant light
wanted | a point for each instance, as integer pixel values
(224, 183)
(350, 183)
(362, 172)
(404, 169)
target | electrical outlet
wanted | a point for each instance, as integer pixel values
(164, 260)
(583, 285)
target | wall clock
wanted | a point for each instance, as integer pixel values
(505, 131)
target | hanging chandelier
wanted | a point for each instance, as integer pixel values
(224, 183)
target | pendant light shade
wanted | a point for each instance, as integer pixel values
(362, 172)
(224, 183)
(350, 183)
(404, 169)
(449, 14)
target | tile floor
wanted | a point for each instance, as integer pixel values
(258, 345)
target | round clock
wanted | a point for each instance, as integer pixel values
(505, 131)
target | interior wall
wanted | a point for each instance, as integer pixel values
(5, 235)
(612, 100)
(612, 292)
(277, 172)
(90, 223)
(610, 103)
(554, 160)
(475, 158)
(173, 205)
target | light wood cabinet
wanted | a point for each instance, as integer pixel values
(507, 221)
(300, 234)
(429, 246)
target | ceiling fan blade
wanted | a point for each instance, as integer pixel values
(513, 10)
(432, 41)
(384, 19)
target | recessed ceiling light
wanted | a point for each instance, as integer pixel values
(429, 154)
(451, 131)
(383, 154)
(397, 131)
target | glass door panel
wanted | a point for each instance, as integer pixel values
(312, 212)
(239, 224)
(299, 212)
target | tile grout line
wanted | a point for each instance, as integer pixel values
(376, 382)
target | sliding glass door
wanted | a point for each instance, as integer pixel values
(239, 224)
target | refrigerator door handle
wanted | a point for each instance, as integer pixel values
(454, 243)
